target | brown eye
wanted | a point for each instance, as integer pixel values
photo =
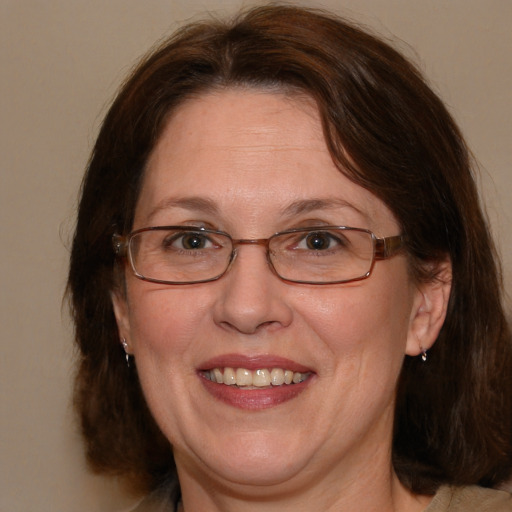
(193, 241)
(189, 241)
(321, 241)
(318, 241)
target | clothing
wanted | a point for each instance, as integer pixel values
(447, 499)
(163, 499)
(470, 499)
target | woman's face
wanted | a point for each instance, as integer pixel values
(251, 164)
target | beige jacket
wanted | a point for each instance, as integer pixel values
(447, 499)
(470, 499)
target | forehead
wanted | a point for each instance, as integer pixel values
(251, 122)
(246, 152)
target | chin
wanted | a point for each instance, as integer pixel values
(251, 462)
(257, 472)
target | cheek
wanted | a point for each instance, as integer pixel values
(164, 320)
(372, 315)
(166, 325)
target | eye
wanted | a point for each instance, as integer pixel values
(189, 241)
(320, 241)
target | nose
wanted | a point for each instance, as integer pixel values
(252, 297)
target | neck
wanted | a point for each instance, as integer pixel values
(365, 490)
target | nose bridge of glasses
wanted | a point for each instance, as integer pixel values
(262, 242)
(251, 241)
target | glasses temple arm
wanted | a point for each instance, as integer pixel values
(386, 247)
(119, 245)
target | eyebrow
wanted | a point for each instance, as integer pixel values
(303, 206)
(210, 207)
(193, 203)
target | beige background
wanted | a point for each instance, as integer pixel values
(61, 61)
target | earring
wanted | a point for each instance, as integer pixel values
(423, 354)
(126, 354)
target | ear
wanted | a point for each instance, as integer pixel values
(429, 310)
(121, 312)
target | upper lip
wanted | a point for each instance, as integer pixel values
(253, 362)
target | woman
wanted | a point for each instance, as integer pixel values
(280, 227)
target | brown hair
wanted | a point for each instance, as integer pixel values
(453, 414)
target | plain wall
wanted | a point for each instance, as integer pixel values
(61, 62)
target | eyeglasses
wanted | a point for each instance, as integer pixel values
(313, 255)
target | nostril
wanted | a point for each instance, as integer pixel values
(251, 328)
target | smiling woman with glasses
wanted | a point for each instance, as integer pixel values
(285, 293)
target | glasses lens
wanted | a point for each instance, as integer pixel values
(322, 255)
(179, 255)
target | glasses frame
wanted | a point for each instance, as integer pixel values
(383, 248)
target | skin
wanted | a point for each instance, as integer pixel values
(251, 154)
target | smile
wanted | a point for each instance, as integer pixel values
(255, 379)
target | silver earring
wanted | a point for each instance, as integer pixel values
(126, 354)
(423, 354)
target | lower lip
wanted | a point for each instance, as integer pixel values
(254, 399)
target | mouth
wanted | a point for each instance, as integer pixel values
(254, 382)
(255, 379)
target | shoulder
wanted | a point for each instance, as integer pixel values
(476, 499)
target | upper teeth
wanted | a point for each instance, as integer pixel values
(257, 378)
